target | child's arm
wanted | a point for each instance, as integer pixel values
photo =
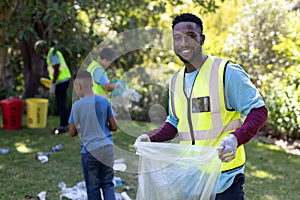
(112, 125)
(73, 130)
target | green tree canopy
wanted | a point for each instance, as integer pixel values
(77, 26)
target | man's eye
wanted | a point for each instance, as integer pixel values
(186, 37)
(192, 36)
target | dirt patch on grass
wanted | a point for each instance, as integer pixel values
(290, 146)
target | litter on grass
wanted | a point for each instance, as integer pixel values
(119, 165)
(175, 171)
(4, 151)
(42, 195)
(43, 157)
(78, 192)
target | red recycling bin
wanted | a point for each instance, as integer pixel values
(12, 112)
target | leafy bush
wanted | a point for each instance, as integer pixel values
(283, 94)
(282, 97)
(265, 41)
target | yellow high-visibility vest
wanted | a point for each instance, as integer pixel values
(97, 89)
(202, 117)
(64, 72)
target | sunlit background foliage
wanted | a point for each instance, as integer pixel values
(261, 36)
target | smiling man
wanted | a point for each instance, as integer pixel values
(207, 97)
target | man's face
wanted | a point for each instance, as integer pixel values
(188, 40)
(104, 62)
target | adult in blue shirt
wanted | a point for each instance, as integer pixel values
(59, 74)
(101, 84)
(207, 98)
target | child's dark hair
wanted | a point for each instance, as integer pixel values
(82, 74)
(187, 17)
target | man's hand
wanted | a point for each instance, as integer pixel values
(52, 88)
(227, 148)
(119, 85)
(142, 138)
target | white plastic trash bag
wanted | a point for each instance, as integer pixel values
(176, 171)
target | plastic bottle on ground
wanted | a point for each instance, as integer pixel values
(43, 157)
(4, 151)
(56, 148)
(118, 181)
(62, 185)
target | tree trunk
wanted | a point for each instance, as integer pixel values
(33, 68)
(6, 77)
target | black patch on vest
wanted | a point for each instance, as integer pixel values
(200, 104)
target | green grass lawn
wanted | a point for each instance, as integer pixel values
(271, 174)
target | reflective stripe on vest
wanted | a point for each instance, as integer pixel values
(97, 89)
(210, 126)
(64, 72)
(212, 133)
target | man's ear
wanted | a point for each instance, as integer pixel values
(202, 36)
(77, 85)
(80, 86)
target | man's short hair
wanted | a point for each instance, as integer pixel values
(108, 54)
(187, 17)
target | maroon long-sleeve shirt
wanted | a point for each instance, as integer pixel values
(253, 122)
